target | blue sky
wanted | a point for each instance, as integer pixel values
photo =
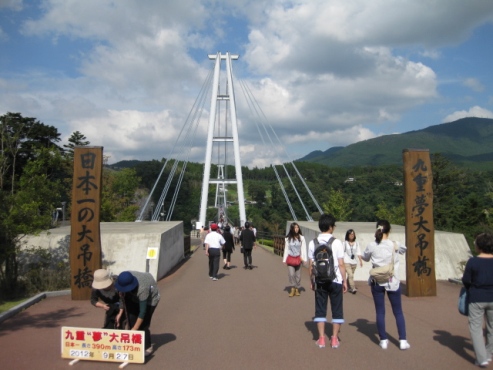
(326, 72)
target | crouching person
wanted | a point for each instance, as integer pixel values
(139, 297)
(105, 296)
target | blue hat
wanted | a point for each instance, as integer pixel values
(126, 282)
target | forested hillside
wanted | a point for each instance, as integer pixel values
(463, 198)
(466, 142)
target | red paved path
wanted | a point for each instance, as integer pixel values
(247, 321)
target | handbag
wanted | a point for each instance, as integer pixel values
(383, 274)
(293, 261)
(242, 250)
(463, 303)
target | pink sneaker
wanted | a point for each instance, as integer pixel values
(334, 342)
(320, 342)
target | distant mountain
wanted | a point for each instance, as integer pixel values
(124, 164)
(466, 142)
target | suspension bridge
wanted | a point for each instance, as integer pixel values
(246, 320)
(223, 145)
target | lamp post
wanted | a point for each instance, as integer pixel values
(63, 212)
(162, 212)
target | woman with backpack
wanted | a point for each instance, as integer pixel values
(294, 257)
(385, 253)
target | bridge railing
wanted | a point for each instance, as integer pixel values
(269, 240)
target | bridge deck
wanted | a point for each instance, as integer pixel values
(247, 321)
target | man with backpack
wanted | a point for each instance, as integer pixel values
(326, 270)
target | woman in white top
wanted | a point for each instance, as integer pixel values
(380, 253)
(295, 246)
(351, 251)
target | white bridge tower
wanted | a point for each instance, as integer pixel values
(222, 139)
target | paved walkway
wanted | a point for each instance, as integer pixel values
(246, 320)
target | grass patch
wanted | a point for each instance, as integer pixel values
(7, 305)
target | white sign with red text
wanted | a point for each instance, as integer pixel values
(103, 344)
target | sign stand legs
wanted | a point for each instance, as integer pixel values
(122, 365)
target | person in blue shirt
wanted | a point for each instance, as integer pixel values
(478, 280)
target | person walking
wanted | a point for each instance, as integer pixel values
(213, 244)
(294, 250)
(236, 235)
(105, 296)
(140, 297)
(383, 252)
(228, 247)
(248, 242)
(351, 251)
(203, 233)
(332, 290)
(478, 280)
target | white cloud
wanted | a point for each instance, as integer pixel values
(475, 111)
(431, 53)
(15, 5)
(322, 70)
(474, 84)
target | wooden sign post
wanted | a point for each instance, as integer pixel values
(85, 241)
(420, 230)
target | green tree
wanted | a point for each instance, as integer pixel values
(27, 210)
(76, 139)
(119, 195)
(338, 205)
(19, 139)
(33, 180)
(449, 186)
(395, 215)
(257, 191)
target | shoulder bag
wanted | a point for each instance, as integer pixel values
(463, 304)
(293, 261)
(383, 274)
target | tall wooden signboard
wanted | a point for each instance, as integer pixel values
(420, 230)
(85, 240)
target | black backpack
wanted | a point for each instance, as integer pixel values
(323, 264)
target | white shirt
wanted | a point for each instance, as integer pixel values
(351, 249)
(337, 252)
(381, 255)
(214, 240)
(286, 249)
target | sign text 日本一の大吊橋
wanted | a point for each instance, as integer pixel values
(85, 241)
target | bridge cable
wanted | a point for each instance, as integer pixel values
(193, 109)
(289, 159)
(248, 93)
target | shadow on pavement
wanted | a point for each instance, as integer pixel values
(369, 329)
(456, 343)
(53, 319)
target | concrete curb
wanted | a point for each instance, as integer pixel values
(31, 301)
(455, 281)
(39, 297)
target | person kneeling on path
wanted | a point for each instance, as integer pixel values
(294, 257)
(105, 296)
(139, 297)
(213, 244)
(330, 285)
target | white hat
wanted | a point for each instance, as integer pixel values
(102, 279)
